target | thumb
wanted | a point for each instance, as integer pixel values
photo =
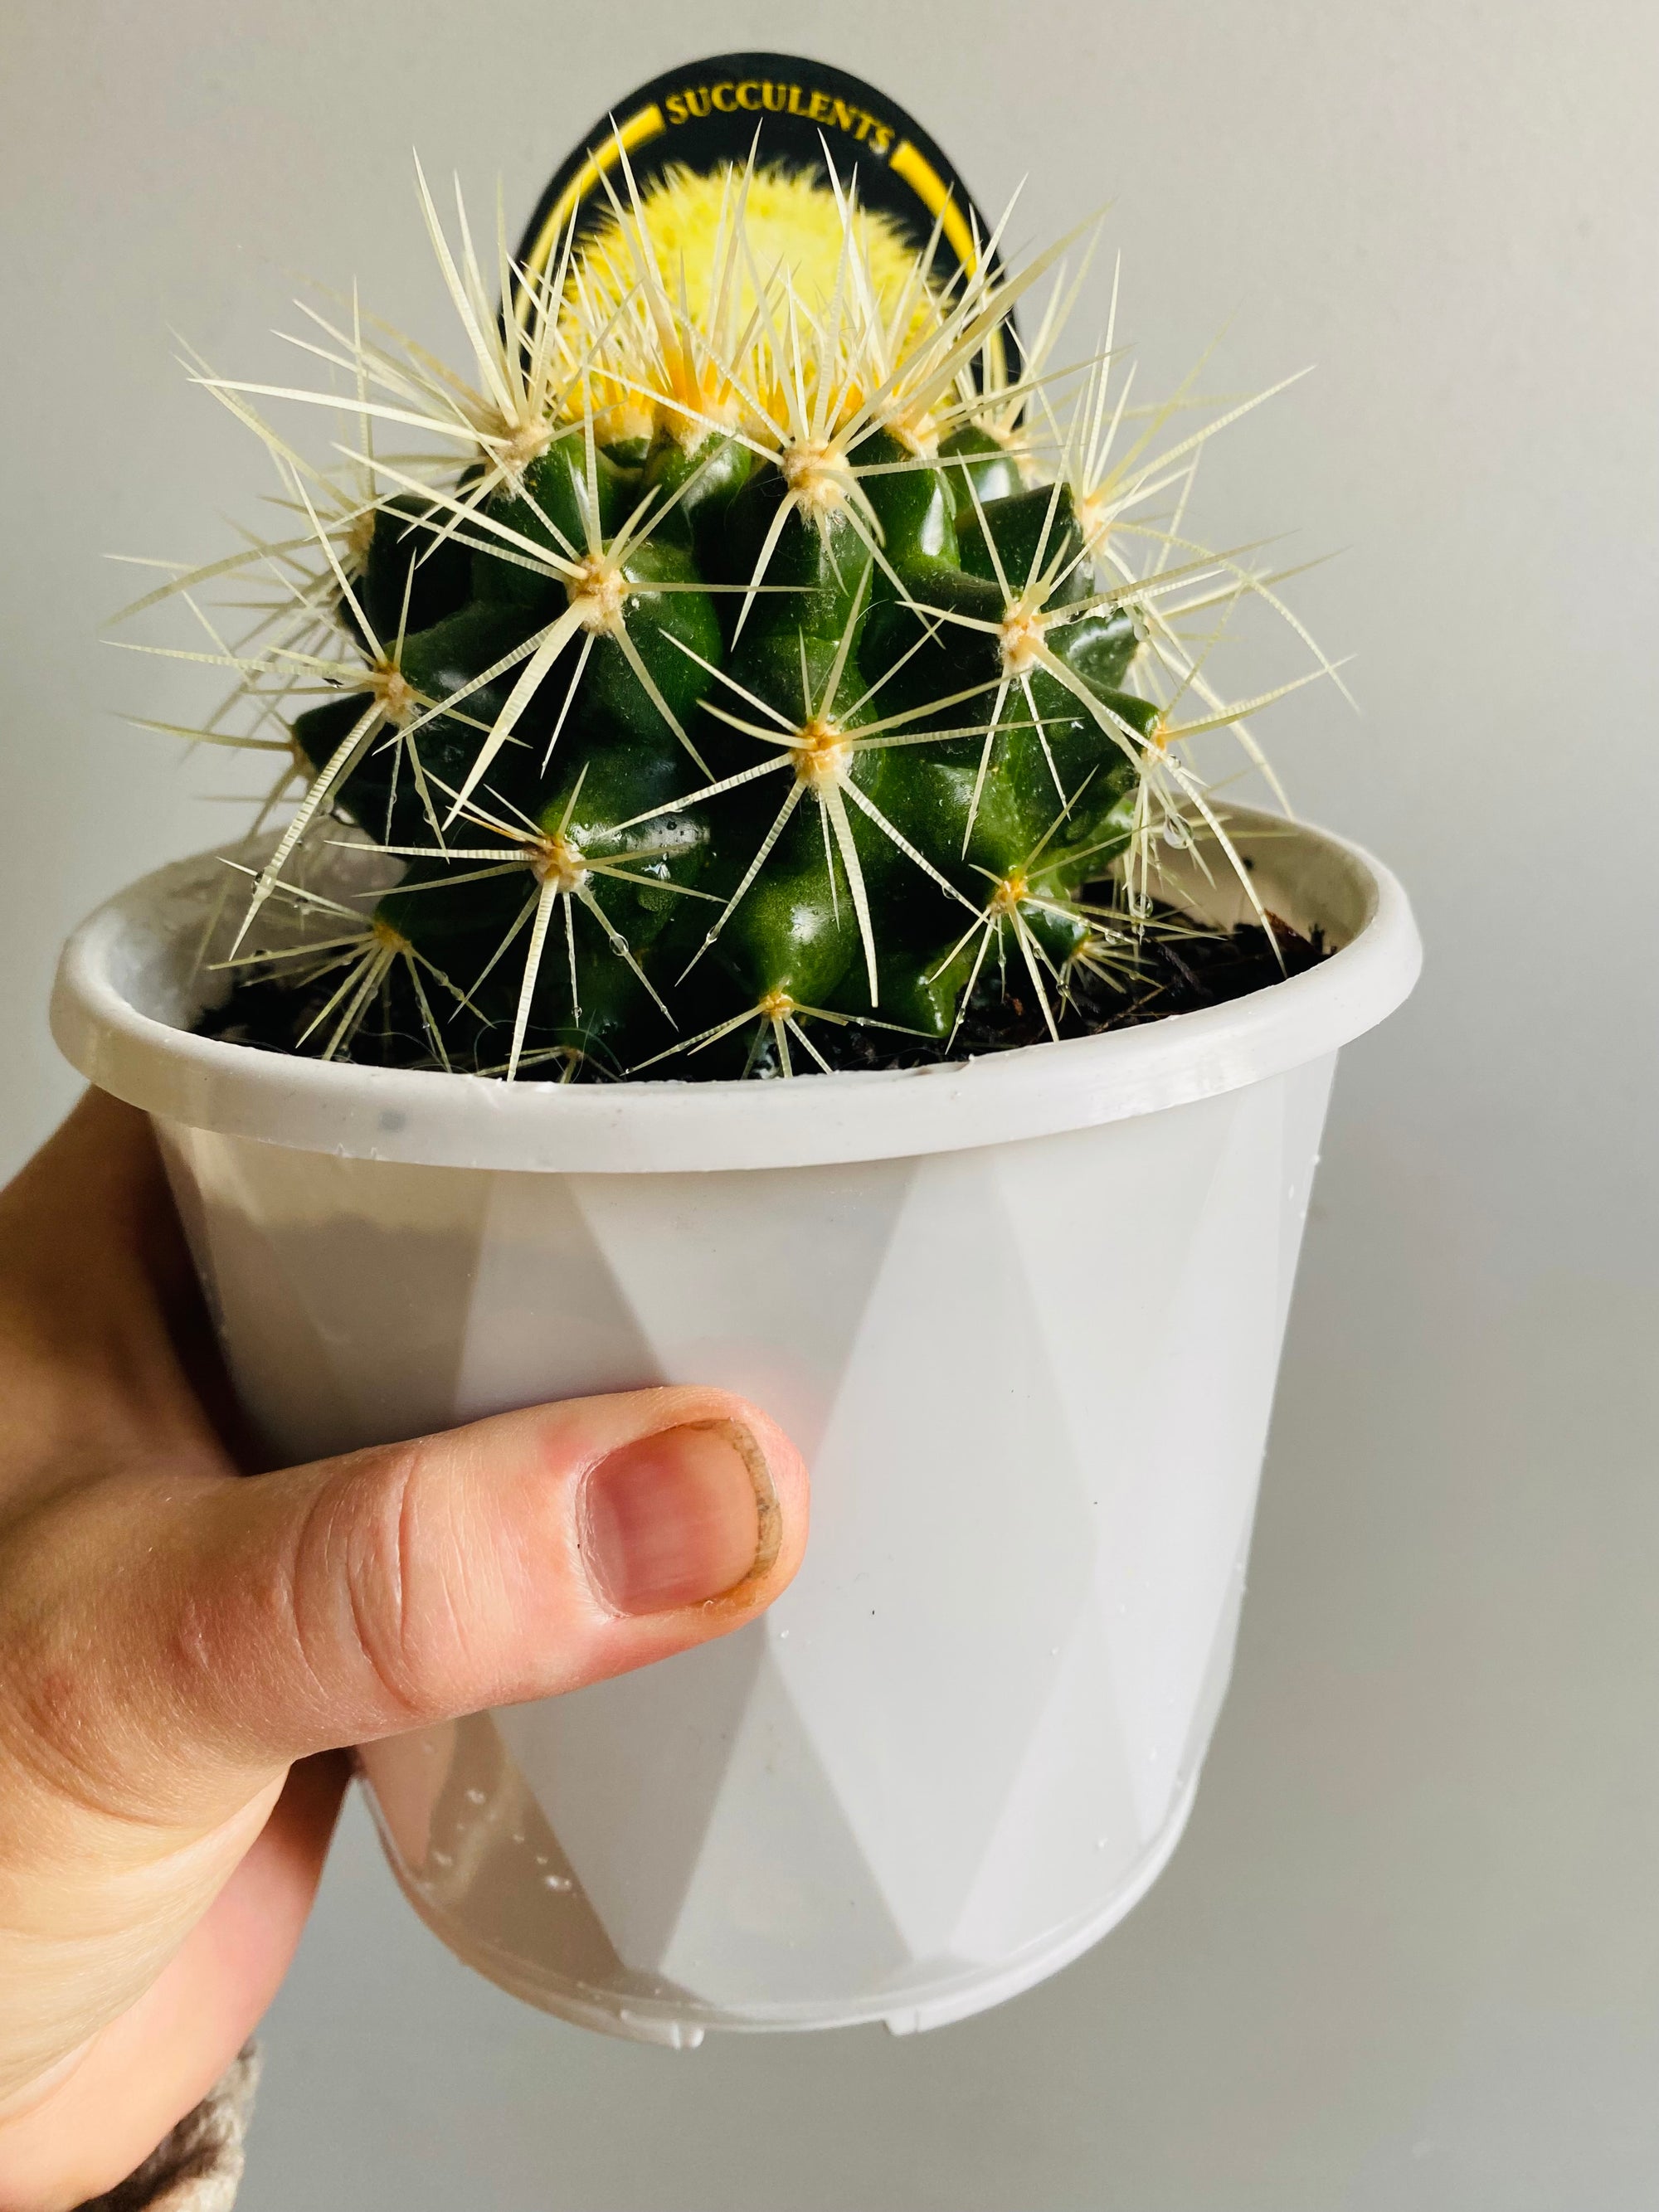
(210, 1630)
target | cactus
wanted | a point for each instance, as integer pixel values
(760, 655)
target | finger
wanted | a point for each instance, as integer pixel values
(161, 2057)
(241, 1625)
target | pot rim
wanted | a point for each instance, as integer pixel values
(132, 950)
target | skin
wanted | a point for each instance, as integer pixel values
(183, 1653)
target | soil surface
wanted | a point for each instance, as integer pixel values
(1173, 968)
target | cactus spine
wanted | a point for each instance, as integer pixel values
(763, 652)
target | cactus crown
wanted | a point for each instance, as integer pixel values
(750, 647)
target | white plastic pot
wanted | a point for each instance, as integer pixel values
(1023, 1316)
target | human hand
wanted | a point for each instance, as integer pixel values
(183, 1652)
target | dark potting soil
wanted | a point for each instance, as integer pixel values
(1174, 967)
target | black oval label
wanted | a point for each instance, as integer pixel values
(706, 114)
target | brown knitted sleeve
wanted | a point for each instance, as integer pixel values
(197, 2166)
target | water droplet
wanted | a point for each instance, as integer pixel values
(475, 1796)
(541, 1858)
(442, 1858)
(559, 1881)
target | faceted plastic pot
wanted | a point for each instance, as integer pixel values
(1022, 1315)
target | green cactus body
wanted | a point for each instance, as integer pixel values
(741, 675)
(803, 796)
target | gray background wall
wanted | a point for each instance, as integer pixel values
(1408, 1956)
